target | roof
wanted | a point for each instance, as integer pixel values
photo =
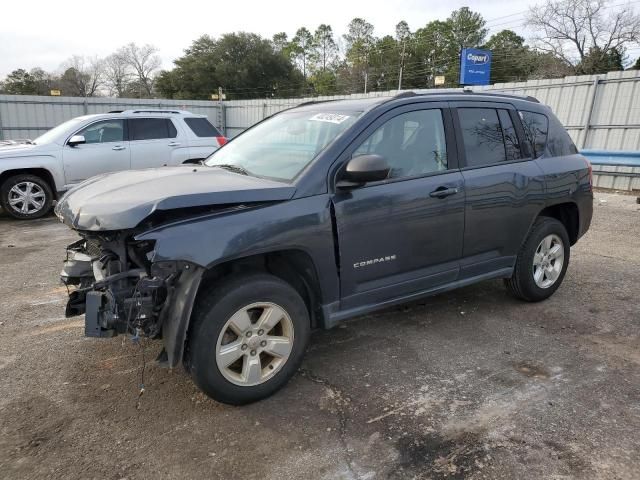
(364, 104)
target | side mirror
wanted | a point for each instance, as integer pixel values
(363, 169)
(76, 140)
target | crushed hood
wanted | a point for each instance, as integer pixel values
(121, 200)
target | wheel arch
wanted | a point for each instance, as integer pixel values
(566, 213)
(40, 172)
(294, 266)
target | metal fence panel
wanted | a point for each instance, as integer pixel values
(599, 111)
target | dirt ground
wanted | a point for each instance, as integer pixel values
(469, 384)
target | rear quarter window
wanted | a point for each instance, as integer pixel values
(559, 142)
(536, 128)
(201, 127)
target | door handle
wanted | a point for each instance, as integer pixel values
(442, 192)
(118, 147)
(174, 144)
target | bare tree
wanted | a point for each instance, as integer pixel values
(145, 62)
(572, 29)
(117, 74)
(82, 76)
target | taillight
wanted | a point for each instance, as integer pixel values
(590, 174)
(221, 141)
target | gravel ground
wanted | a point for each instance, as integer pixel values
(469, 384)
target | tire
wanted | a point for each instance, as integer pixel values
(263, 298)
(548, 273)
(38, 202)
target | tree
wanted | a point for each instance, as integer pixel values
(435, 55)
(302, 48)
(326, 49)
(547, 65)
(359, 42)
(117, 74)
(244, 64)
(82, 77)
(280, 42)
(596, 61)
(384, 64)
(512, 60)
(403, 35)
(19, 82)
(636, 66)
(467, 28)
(145, 63)
(573, 30)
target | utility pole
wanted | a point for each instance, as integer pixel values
(404, 44)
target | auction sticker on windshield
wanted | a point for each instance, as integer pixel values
(329, 117)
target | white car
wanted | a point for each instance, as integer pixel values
(35, 173)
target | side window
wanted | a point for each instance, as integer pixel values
(559, 143)
(151, 129)
(202, 127)
(511, 143)
(413, 143)
(482, 135)
(104, 132)
(536, 128)
(173, 133)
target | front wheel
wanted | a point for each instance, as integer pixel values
(247, 338)
(26, 197)
(542, 262)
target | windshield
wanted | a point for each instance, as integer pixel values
(50, 135)
(282, 146)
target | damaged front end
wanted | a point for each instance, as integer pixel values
(114, 281)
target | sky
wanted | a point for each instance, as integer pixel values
(46, 33)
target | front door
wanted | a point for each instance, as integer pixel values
(105, 150)
(403, 235)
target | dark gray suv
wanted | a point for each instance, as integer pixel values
(321, 213)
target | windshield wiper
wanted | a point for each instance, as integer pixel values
(233, 168)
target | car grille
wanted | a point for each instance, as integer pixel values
(93, 248)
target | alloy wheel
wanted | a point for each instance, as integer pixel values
(548, 261)
(27, 198)
(254, 344)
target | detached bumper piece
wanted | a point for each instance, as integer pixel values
(94, 324)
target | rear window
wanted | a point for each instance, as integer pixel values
(536, 128)
(202, 127)
(151, 128)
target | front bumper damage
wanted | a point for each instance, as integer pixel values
(113, 281)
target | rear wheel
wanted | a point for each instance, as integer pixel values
(248, 338)
(26, 196)
(542, 262)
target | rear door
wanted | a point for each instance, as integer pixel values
(402, 235)
(156, 142)
(504, 186)
(106, 150)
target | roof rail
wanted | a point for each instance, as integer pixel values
(165, 111)
(528, 98)
(313, 102)
(408, 93)
(157, 111)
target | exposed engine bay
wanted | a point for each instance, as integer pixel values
(117, 286)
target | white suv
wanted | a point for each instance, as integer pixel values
(35, 173)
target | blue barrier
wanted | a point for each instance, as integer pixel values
(610, 157)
